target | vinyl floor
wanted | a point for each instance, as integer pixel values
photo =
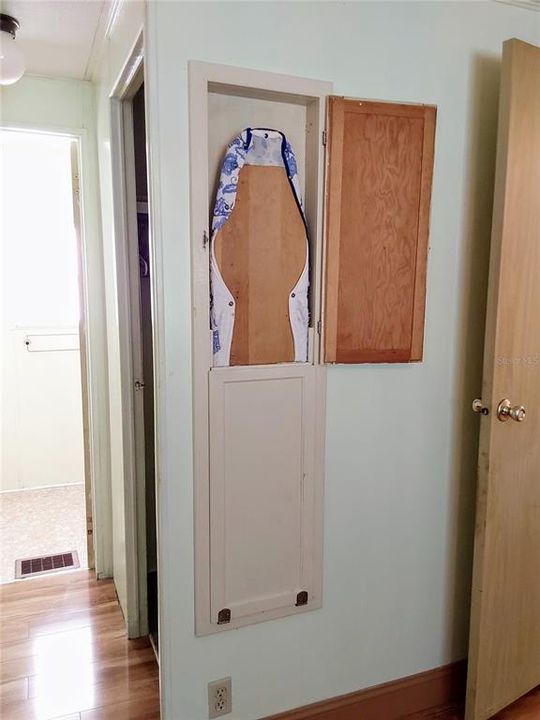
(43, 521)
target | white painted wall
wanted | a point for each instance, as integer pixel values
(401, 440)
(119, 43)
(67, 106)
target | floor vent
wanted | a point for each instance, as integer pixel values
(28, 567)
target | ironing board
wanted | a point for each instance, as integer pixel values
(260, 255)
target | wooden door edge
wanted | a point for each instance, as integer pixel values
(422, 244)
(331, 246)
(485, 434)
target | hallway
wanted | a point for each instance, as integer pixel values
(64, 653)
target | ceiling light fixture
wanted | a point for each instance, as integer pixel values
(11, 57)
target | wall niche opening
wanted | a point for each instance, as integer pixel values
(267, 326)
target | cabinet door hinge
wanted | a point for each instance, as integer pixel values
(319, 327)
(204, 239)
(324, 137)
(76, 186)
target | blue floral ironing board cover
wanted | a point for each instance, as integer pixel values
(254, 146)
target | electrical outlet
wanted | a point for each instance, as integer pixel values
(219, 697)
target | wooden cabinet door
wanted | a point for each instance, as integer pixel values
(504, 651)
(380, 159)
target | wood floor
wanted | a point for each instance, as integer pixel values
(528, 708)
(64, 653)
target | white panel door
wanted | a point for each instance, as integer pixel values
(46, 382)
(262, 490)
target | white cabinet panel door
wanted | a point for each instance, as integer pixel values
(263, 490)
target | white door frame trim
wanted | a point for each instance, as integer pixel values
(125, 229)
(93, 311)
(201, 75)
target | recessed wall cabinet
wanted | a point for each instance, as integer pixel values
(259, 429)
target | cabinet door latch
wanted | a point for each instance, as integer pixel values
(224, 616)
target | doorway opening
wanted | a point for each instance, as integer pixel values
(147, 357)
(135, 286)
(45, 492)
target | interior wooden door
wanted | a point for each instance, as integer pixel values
(504, 653)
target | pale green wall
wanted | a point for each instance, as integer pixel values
(401, 450)
(48, 103)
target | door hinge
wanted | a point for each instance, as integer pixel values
(324, 137)
(224, 616)
(302, 598)
(204, 239)
(138, 384)
(319, 327)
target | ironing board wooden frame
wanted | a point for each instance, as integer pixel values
(261, 280)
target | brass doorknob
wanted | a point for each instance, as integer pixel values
(507, 411)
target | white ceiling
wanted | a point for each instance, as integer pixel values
(58, 36)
